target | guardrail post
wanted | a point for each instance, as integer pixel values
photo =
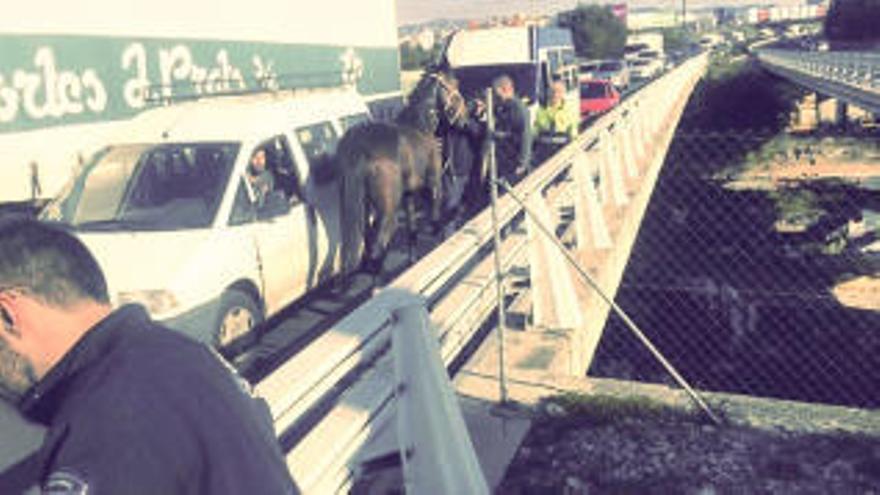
(626, 145)
(436, 449)
(554, 300)
(588, 215)
(637, 136)
(613, 173)
(645, 135)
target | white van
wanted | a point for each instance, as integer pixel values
(171, 215)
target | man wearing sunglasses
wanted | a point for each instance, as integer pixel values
(130, 407)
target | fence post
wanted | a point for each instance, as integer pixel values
(496, 238)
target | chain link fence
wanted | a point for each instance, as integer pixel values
(757, 269)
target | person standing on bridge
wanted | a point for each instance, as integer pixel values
(130, 406)
(555, 124)
(36, 188)
(513, 135)
(513, 143)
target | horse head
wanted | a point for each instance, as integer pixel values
(436, 104)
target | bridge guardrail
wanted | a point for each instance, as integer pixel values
(849, 75)
(328, 399)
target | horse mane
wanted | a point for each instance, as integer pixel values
(417, 111)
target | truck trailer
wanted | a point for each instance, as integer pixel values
(70, 72)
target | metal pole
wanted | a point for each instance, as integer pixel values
(629, 323)
(684, 15)
(499, 277)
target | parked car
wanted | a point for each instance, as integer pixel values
(173, 213)
(597, 96)
(615, 71)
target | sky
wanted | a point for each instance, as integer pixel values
(414, 11)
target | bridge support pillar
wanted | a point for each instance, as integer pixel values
(841, 115)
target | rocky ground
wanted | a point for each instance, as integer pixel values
(632, 448)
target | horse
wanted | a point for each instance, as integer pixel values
(382, 164)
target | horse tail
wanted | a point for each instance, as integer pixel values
(352, 163)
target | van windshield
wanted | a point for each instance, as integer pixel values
(147, 187)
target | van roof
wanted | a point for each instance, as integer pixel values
(239, 117)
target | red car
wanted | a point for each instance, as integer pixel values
(597, 96)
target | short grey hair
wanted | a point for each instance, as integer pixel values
(501, 81)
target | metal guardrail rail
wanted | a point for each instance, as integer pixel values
(853, 77)
(328, 399)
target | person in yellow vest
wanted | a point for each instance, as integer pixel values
(555, 124)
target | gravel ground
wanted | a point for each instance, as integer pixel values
(626, 449)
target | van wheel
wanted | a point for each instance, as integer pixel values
(239, 314)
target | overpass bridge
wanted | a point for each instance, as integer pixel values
(851, 76)
(374, 388)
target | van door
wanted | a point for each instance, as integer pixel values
(317, 142)
(280, 226)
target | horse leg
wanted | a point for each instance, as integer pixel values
(381, 231)
(411, 228)
(385, 199)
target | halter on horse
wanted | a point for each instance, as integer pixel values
(383, 164)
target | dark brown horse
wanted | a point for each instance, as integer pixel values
(384, 164)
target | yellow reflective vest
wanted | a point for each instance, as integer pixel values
(559, 119)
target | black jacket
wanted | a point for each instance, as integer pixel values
(513, 146)
(136, 408)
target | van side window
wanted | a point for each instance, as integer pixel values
(318, 143)
(277, 162)
(285, 169)
(243, 209)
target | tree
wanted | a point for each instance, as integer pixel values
(597, 32)
(853, 20)
(677, 38)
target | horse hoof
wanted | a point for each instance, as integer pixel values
(372, 267)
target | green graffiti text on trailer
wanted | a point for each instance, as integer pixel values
(59, 80)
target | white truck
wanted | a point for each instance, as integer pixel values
(70, 71)
(530, 55)
(644, 55)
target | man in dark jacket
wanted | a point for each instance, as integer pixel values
(513, 142)
(130, 406)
